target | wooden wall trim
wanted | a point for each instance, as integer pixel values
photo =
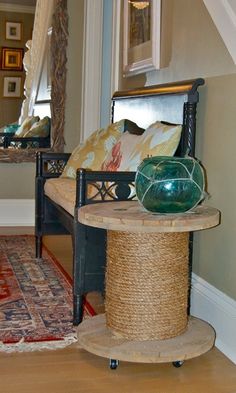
(92, 67)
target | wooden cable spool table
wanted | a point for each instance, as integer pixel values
(147, 285)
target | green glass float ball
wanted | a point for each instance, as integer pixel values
(169, 184)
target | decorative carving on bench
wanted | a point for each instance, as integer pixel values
(51, 164)
(55, 166)
(190, 110)
(111, 191)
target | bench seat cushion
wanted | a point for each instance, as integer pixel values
(62, 191)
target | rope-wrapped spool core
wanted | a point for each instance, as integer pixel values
(147, 284)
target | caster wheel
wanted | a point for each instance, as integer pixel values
(113, 364)
(178, 363)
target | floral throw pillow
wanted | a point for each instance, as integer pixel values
(92, 152)
(119, 154)
(159, 139)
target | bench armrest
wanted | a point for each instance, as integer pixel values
(107, 186)
(49, 165)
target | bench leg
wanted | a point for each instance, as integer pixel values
(38, 246)
(77, 309)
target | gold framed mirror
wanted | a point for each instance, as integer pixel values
(48, 14)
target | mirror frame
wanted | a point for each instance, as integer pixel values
(47, 14)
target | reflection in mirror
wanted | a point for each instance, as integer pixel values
(45, 83)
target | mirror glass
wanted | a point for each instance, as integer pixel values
(42, 78)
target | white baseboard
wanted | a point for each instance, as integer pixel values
(17, 212)
(218, 309)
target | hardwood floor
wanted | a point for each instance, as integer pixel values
(73, 370)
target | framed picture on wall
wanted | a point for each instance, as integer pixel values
(12, 87)
(142, 35)
(12, 59)
(13, 31)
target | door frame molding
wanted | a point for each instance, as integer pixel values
(92, 66)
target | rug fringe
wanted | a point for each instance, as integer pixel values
(23, 346)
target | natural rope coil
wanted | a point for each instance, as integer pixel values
(147, 284)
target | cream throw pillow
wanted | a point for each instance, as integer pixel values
(92, 152)
(159, 139)
(40, 129)
(26, 125)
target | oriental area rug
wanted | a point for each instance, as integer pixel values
(35, 299)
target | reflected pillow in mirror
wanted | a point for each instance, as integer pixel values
(26, 125)
(91, 153)
(11, 128)
(159, 139)
(40, 129)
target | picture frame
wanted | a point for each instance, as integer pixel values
(13, 31)
(12, 87)
(142, 36)
(12, 59)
